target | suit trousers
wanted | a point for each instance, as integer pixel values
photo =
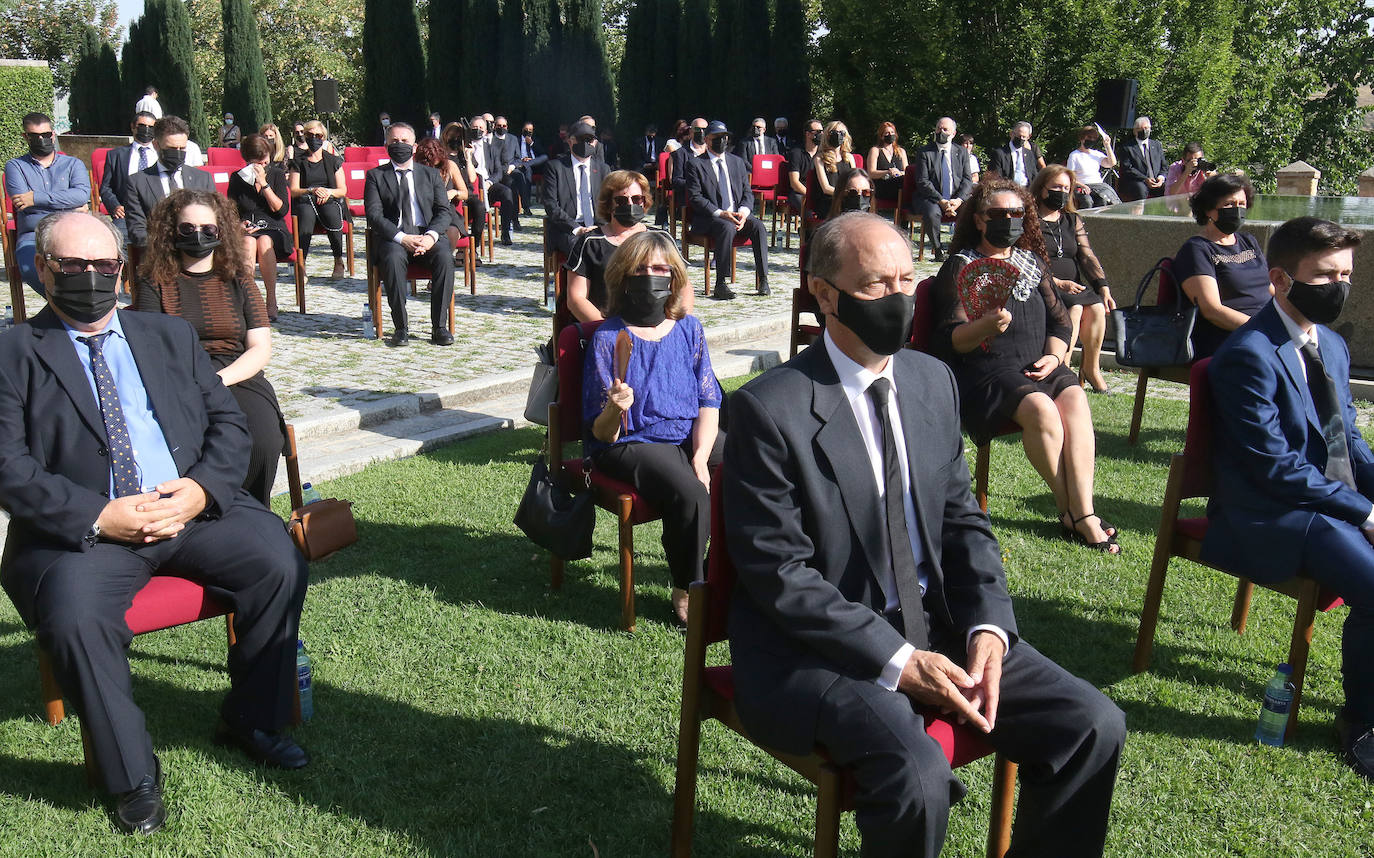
(723, 232)
(1337, 555)
(663, 474)
(1131, 190)
(562, 241)
(1065, 734)
(503, 198)
(519, 184)
(245, 558)
(930, 214)
(393, 260)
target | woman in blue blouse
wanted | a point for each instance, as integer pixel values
(658, 427)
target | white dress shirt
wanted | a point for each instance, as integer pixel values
(133, 156)
(717, 164)
(416, 213)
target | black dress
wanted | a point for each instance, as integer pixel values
(888, 188)
(1072, 258)
(254, 209)
(591, 251)
(992, 381)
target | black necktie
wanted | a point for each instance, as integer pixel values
(122, 464)
(946, 178)
(1329, 411)
(407, 215)
(904, 567)
(725, 202)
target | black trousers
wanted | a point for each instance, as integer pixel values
(1131, 190)
(930, 214)
(392, 261)
(245, 557)
(562, 241)
(503, 198)
(477, 214)
(1064, 733)
(722, 233)
(663, 473)
(330, 216)
(519, 185)
(258, 401)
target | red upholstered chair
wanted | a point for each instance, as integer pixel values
(565, 428)
(355, 181)
(763, 182)
(1167, 293)
(708, 246)
(1191, 476)
(903, 218)
(11, 239)
(97, 174)
(782, 208)
(858, 161)
(709, 693)
(890, 204)
(372, 155)
(298, 259)
(486, 231)
(414, 271)
(220, 174)
(804, 333)
(223, 156)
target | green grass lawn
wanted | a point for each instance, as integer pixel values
(463, 708)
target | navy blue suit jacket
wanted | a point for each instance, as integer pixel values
(703, 188)
(1269, 451)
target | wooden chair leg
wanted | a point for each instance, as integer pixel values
(53, 711)
(1240, 610)
(828, 814)
(92, 770)
(229, 636)
(1003, 805)
(470, 273)
(1298, 649)
(1149, 613)
(452, 309)
(980, 474)
(1138, 408)
(627, 564)
(348, 239)
(706, 271)
(556, 565)
(685, 786)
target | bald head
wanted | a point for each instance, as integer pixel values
(79, 234)
(840, 240)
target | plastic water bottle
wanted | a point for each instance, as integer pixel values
(309, 494)
(303, 682)
(368, 330)
(1278, 699)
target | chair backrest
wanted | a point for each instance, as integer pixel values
(562, 316)
(223, 156)
(571, 343)
(221, 177)
(923, 318)
(720, 569)
(355, 177)
(98, 175)
(1197, 445)
(858, 161)
(813, 194)
(1168, 286)
(663, 168)
(364, 153)
(766, 171)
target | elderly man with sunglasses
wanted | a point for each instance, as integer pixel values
(122, 456)
(39, 183)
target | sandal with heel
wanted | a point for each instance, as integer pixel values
(1071, 533)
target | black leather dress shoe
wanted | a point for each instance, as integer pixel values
(271, 749)
(723, 293)
(515, 225)
(505, 239)
(1357, 742)
(398, 338)
(763, 288)
(441, 337)
(140, 810)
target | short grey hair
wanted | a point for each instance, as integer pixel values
(1022, 124)
(825, 257)
(42, 234)
(1140, 119)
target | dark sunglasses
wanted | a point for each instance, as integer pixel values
(38, 135)
(1002, 214)
(636, 200)
(209, 230)
(76, 265)
(314, 136)
(502, 127)
(855, 192)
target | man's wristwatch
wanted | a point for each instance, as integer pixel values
(93, 535)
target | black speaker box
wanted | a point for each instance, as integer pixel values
(1115, 103)
(326, 95)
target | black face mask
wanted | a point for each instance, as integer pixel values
(758, 132)
(1004, 231)
(1056, 200)
(628, 215)
(85, 296)
(42, 147)
(645, 297)
(837, 139)
(300, 136)
(171, 159)
(474, 134)
(143, 134)
(1230, 220)
(855, 203)
(583, 148)
(1319, 302)
(197, 246)
(816, 138)
(941, 137)
(883, 324)
(698, 135)
(717, 144)
(889, 138)
(1142, 136)
(315, 144)
(1022, 142)
(400, 153)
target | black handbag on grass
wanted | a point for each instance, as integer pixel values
(556, 520)
(1155, 336)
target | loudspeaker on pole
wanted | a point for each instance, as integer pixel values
(1116, 103)
(326, 95)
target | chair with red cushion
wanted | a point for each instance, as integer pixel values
(1167, 294)
(415, 271)
(763, 181)
(577, 472)
(486, 231)
(97, 175)
(298, 258)
(903, 217)
(11, 240)
(890, 204)
(355, 182)
(782, 207)
(708, 245)
(223, 156)
(858, 161)
(709, 693)
(803, 302)
(1191, 476)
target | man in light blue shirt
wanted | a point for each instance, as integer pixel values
(40, 183)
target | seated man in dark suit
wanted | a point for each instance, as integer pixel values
(848, 625)
(646, 152)
(122, 456)
(757, 143)
(943, 181)
(1294, 477)
(1142, 164)
(409, 213)
(1020, 159)
(146, 189)
(683, 155)
(121, 163)
(530, 159)
(571, 185)
(722, 207)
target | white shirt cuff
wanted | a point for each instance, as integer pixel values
(892, 671)
(398, 236)
(432, 234)
(744, 210)
(1006, 641)
(1369, 521)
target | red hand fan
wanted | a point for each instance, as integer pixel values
(985, 285)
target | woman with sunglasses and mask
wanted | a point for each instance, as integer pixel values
(622, 202)
(832, 160)
(458, 140)
(1079, 277)
(657, 428)
(272, 135)
(1222, 269)
(1011, 364)
(318, 193)
(854, 194)
(198, 267)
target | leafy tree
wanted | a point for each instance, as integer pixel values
(790, 63)
(509, 95)
(393, 63)
(447, 65)
(54, 31)
(163, 56)
(694, 79)
(667, 97)
(637, 82)
(245, 85)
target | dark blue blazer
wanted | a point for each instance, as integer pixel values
(703, 188)
(1268, 450)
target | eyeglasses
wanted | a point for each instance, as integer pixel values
(314, 136)
(636, 200)
(1003, 214)
(209, 230)
(855, 192)
(501, 127)
(76, 265)
(38, 135)
(143, 125)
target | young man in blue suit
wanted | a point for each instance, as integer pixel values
(1294, 478)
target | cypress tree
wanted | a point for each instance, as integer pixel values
(510, 77)
(169, 59)
(724, 93)
(84, 105)
(593, 91)
(133, 72)
(666, 98)
(694, 60)
(544, 68)
(245, 85)
(749, 67)
(446, 18)
(114, 113)
(791, 64)
(393, 65)
(479, 62)
(637, 81)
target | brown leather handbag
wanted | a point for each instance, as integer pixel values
(321, 528)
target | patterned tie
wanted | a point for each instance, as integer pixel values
(904, 567)
(1329, 411)
(122, 464)
(142, 158)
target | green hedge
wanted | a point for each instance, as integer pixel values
(23, 89)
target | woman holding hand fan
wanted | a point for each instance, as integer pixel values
(1004, 331)
(651, 402)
